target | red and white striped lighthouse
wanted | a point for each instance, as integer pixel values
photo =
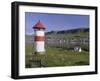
(39, 37)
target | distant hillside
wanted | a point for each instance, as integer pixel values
(64, 34)
(71, 31)
(29, 39)
(68, 38)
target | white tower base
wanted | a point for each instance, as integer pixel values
(39, 47)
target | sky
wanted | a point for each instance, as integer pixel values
(55, 22)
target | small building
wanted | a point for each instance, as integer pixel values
(78, 49)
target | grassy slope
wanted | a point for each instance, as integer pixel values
(57, 57)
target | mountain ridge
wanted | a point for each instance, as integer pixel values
(69, 31)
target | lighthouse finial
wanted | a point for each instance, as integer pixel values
(39, 21)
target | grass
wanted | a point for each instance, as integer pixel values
(54, 57)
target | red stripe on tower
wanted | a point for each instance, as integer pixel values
(39, 38)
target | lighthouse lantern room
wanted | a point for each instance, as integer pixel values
(39, 38)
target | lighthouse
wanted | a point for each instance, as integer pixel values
(39, 38)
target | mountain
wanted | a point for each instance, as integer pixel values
(63, 34)
(71, 31)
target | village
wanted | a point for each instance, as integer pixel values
(75, 44)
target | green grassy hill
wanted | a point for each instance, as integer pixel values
(55, 57)
(80, 32)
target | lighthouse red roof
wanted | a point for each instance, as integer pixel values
(39, 25)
